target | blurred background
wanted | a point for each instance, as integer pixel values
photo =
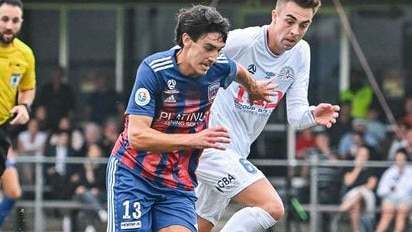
(93, 49)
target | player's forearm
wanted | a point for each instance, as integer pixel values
(244, 78)
(152, 140)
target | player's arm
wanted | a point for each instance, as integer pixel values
(22, 109)
(143, 137)
(257, 90)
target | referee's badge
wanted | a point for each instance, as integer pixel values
(15, 79)
(142, 97)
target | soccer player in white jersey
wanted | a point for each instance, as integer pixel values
(271, 51)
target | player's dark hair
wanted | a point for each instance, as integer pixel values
(199, 20)
(312, 4)
(17, 3)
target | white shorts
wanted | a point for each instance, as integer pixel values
(221, 175)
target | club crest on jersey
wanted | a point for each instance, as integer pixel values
(212, 91)
(287, 74)
(15, 79)
(142, 97)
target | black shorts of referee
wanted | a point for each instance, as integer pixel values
(5, 144)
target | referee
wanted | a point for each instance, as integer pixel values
(17, 75)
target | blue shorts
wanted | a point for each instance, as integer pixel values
(138, 204)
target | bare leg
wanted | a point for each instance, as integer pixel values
(386, 217)
(204, 225)
(175, 229)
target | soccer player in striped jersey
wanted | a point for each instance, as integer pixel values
(151, 172)
(271, 51)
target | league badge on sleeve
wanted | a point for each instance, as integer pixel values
(142, 97)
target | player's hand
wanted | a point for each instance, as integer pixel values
(211, 138)
(326, 114)
(21, 115)
(263, 90)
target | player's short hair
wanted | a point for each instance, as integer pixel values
(199, 20)
(312, 4)
(17, 3)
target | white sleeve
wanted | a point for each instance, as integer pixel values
(299, 113)
(384, 186)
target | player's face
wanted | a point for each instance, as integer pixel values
(289, 24)
(10, 23)
(203, 53)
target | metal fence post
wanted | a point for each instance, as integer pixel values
(314, 193)
(38, 209)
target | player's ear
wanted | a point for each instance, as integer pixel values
(274, 15)
(187, 41)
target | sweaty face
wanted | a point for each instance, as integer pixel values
(10, 23)
(290, 24)
(203, 53)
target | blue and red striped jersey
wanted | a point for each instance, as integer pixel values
(178, 104)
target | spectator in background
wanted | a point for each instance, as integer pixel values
(360, 94)
(57, 97)
(343, 124)
(406, 117)
(359, 200)
(402, 140)
(40, 114)
(328, 177)
(29, 142)
(104, 101)
(305, 140)
(393, 88)
(92, 133)
(395, 190)
(111, 130)
(76, 136)
(89, 182)
(376, 129)
(58, 174)
(357, 137)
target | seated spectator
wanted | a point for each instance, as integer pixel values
(403, 140)
(357, 137)
(359, 198)
(343, 124)
(76, 137)
(305, 140)
(406, 117)
(29, 142)
(328, 177)
(111, 130)
(59, 173)
(395, 190)
(89, 182)
(376, 129)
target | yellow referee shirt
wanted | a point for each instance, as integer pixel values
(17, 72)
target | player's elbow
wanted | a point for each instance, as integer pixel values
(276, 210)
(137, 141)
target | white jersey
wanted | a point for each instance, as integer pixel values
(291, 72)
